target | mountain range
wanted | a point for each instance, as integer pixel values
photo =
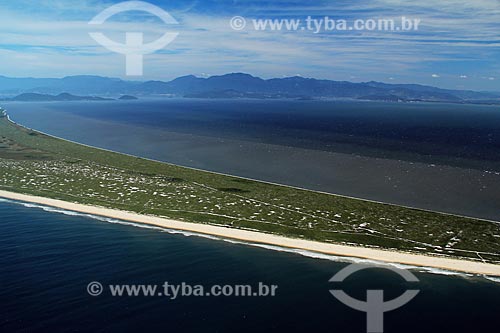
(240, 85)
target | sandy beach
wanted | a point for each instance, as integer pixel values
(256, 237)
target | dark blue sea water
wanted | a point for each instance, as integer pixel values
(406, 154)
(451, 133)
(47, 259)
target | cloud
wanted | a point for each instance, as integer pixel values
(458, 34)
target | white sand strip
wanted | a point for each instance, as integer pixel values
(257, 237)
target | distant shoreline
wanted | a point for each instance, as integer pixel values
(384, 256)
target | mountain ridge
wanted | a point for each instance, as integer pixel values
(243, 85)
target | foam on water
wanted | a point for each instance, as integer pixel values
(493, 279)
(305, 253)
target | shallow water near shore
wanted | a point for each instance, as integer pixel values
(49, 258)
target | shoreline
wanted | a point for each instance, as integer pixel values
(383, 256)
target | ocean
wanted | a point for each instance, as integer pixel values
(50, 256)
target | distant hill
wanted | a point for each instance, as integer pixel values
(240, 85)
(127, 98)
(33, 97)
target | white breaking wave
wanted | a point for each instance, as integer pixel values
(493, 279)
(304, 253)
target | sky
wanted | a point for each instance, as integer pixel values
(457, 44)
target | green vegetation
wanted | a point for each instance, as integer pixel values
(33, 163)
